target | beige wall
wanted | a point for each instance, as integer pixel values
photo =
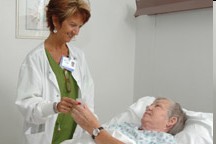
(174, 57)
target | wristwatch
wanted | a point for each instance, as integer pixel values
(96, 132)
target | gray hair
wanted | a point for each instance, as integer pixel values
(175, 110)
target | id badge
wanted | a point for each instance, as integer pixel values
(68, 64)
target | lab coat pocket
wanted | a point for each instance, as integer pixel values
(35, 133)
(34, 128)
(34, 138)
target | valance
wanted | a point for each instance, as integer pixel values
(148, 7)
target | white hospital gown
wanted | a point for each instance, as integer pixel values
(143, 136)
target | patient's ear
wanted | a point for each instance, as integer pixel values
(172, 121)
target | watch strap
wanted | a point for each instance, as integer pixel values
(100, 128)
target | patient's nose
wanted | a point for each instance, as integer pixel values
(149, 107)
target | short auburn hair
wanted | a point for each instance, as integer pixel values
(63, 9)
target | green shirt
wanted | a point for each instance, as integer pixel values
(65, 125)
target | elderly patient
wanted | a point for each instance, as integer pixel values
(161, 120)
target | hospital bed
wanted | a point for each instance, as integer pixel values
(198, 128)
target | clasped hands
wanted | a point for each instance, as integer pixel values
(66, 105)
(80, 113)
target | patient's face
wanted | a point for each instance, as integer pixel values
(156, 116)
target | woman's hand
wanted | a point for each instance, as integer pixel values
(85, 118)
(66, 105)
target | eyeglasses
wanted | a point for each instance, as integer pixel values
(67, 80)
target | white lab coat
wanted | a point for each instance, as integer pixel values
(38, 89)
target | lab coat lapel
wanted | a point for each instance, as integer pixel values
(76, 73)
(52, 78)
(49, 72)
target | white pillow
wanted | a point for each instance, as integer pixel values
(198, 128)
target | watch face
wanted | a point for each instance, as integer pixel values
(96, 132)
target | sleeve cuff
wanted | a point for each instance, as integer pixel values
(48, 108)
(55, 107)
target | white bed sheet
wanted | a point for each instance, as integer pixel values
(198, 128)
(86, 139)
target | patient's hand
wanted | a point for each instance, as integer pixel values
(85, 118)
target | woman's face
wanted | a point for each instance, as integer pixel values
(70, 27)
(156, 115)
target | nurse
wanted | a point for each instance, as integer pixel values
(54, 75)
